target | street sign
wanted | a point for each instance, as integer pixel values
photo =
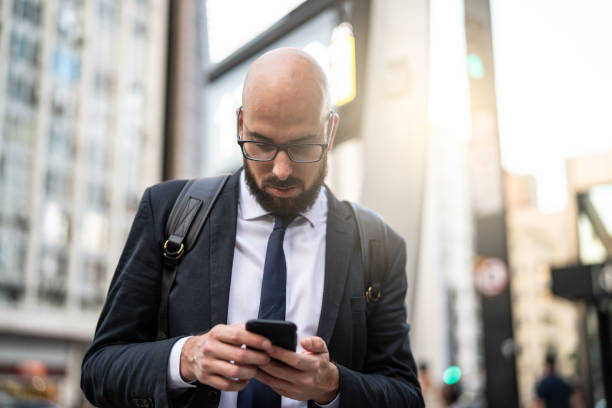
(583, 281)
(491, 276)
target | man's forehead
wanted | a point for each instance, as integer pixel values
(285, 111)
(278, 98)
(285, 81)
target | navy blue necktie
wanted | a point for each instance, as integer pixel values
(271, 306)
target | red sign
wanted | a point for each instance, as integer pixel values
(491, 276)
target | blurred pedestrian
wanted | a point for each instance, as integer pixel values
(552, 391)
(432, 393)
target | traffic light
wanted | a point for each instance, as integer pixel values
(475, 68)
(451, 375)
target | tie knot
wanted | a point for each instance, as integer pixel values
(281, 222)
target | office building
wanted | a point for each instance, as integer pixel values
(82, 86)
(542, 322)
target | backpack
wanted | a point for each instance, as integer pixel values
(189, 214)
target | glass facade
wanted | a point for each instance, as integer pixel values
(81, 102)
(60, 152)
(75, 109)
(21, 78)
(97, 138)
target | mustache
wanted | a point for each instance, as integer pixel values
(291, 181)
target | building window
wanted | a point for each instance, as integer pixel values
(13, 241)
(22, 90)
(69, 26)
(93, 285)
(52, 276)
(104, 82)
(28, 10)
(58, 183)
(66, 65)
(23, 48)
(98, 197)
(61, 145)
(107, 11)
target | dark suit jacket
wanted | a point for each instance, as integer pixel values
(126, 367)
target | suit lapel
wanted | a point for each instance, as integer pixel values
(222, 242)
(339, 243)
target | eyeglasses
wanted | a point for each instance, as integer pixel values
(297, 152)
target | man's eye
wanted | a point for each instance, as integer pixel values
(302, 148)
(264, 147)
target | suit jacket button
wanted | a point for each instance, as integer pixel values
(214, 396)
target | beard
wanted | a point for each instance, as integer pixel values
(285, 207)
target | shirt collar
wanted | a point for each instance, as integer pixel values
(249, 208)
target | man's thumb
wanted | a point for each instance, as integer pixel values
(314, 345)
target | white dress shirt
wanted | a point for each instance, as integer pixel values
(304, 247)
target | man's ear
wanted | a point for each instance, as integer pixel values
(239, 117)
(336, 119)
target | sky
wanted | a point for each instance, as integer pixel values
(237, 21)
(553, 67)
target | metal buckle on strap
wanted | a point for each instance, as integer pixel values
(173, 254)
(373, 294)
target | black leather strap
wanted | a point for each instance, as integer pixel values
(373, 242)
(188, 215)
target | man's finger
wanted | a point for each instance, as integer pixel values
(280, 370)
(303, 362)
(230, 352)
(229, 370)
(278, 384)
(237, 334)
(224, 384)
(288, 357)
(314, 344)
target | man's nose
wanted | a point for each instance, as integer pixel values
(282, 165)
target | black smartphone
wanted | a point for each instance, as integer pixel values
(280, 332)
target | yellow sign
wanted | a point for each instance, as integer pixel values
(342, 65)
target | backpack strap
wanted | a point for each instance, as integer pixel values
(373, 240)
(188, 215)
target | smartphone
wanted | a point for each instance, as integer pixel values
(280, 332)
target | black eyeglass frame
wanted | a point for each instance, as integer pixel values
(283, 147)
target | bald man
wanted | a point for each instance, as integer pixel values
(276, 239)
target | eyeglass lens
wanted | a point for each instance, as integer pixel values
(299, 153)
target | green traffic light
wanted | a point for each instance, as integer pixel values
(451, 375)
(475, 68)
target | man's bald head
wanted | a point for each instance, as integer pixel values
(286, 81)
(286, 102)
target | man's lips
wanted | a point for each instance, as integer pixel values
(283, 192)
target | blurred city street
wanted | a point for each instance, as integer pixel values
(481, 130)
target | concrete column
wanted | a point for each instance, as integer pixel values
(394, 128)
(184, 93)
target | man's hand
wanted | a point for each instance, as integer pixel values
(305, 376)
(207, 357)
